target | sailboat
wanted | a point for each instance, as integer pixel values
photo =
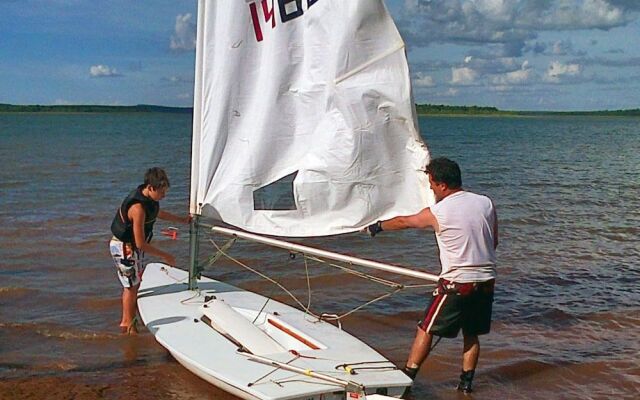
(304, 125)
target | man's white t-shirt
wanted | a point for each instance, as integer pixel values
(466, 237)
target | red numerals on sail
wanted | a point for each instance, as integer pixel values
(288, 9)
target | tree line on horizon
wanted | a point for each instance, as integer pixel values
(91, 108)
(441, 109)
(422, 109)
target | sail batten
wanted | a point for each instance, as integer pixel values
(321, 93)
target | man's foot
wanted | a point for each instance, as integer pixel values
(410, 372)
(466, 378)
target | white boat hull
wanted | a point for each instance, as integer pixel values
(275, 331)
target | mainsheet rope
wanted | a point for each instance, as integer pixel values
(307, 309)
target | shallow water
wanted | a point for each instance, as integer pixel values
(566, 317)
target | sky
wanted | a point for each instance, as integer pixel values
(557, 55)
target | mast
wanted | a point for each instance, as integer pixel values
(194, 246)
(194, 205)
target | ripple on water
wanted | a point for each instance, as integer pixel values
(565, 316)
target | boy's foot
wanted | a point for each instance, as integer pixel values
(131, 329)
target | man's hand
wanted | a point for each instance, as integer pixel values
(373, 229)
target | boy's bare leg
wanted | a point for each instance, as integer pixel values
(129, 309)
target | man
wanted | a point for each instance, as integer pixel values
(132, 229)
(466, 227)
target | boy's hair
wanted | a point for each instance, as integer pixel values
(443, 170)
(157, 178)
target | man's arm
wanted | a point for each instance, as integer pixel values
(495, 229)
(422, 220)
(136, 214)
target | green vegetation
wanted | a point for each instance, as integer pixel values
(423, 109)
(93, 109)
(435, 109)
(439, 109)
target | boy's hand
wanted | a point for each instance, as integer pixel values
(170, 260)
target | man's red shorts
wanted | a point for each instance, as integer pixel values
(456, 306)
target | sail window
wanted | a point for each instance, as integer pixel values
(277, 196)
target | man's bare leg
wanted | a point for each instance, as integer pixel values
(470, 355)
(419, 352)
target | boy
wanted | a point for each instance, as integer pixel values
(132, 229)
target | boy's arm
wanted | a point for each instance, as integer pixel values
(136, 214)
(167, 216)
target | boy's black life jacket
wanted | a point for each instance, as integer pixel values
(122, 227)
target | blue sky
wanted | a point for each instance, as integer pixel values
(511, 54)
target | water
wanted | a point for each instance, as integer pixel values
(566, 317)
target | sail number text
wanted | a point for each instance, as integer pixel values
(288, 9)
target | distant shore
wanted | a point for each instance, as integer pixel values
(141, 108)
(422, 110)
(445, 110)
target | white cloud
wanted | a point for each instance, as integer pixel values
(184, 36)
(520, 77)
(561, 48)
(492, 65)
(609, 62)
(451, 92)
(558, 72)
(578, 14)
(556, 48)
(509, 23)
(103, 71)
(177, 80)
(463, 76)
(422, 80)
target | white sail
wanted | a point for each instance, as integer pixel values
(309, 99)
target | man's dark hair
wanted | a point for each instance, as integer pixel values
(157, 178)
(443, 170)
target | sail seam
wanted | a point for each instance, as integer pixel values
(356, 70)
